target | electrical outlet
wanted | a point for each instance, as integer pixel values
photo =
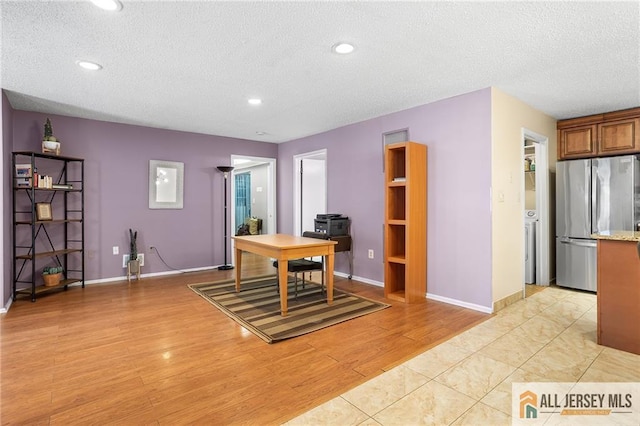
(125, 259)
(370, 254)
(116, 250)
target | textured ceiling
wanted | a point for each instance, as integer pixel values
(191, 66)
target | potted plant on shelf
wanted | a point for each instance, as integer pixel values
(52, 275)
(50, 143)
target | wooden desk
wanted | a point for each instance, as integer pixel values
(283, 248)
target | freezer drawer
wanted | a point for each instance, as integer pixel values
(576, 263)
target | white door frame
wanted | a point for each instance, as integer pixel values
(543, 204)
(3, 307)
(271, 191)
(297, 189)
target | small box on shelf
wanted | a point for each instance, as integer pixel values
(22, 182)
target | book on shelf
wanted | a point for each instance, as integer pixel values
(61, 186)
(400, 179)
(45, 182)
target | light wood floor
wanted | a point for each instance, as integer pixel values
(154, 352)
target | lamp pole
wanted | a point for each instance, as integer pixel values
(225, 170)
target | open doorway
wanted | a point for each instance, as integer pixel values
(253, 192)
(536, 208)
(309, 189)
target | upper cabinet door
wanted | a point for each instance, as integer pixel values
(619, 137)
(577, 142)
(600, 135)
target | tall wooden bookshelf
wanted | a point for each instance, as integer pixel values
(405, 230)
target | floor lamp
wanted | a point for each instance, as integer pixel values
(225, 170)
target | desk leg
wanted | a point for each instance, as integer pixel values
(330, 260)
(238, 268)
(283, 277)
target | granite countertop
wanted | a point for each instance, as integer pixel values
(617, 235)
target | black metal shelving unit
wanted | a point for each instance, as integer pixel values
(55, 242)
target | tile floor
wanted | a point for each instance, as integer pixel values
(548, 337)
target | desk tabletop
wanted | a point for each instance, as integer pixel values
(282, 240)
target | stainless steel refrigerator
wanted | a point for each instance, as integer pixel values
(592, 196)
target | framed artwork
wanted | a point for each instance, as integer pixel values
(166, 181)
(23, 170)
(43, 211)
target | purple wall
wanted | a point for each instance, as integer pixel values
(456, 130)
(116, 189)
(458, 134)
(7, 130)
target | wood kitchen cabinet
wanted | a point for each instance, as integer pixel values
(619, 137)
(577, 142)
(619, 295)
(600, 135)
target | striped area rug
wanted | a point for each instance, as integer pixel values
(257, 306)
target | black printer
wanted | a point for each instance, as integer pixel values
(332, 224)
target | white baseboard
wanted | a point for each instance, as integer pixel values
(473, 306)
(480, 308)
(361, 279)
(431, 296)
(7, 306)
(121, 278)
(154, 274)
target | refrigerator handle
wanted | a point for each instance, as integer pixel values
(581, 243)
(595, 197)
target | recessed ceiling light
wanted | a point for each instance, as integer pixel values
(87, 65)
(110, 5)
(343, 48)
(255, 101)
(260, 133)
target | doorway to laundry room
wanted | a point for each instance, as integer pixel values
(536, 206)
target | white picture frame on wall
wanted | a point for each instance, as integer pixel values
(166, 184)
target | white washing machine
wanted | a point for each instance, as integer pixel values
(530, 223)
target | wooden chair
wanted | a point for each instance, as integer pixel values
(305, 265)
